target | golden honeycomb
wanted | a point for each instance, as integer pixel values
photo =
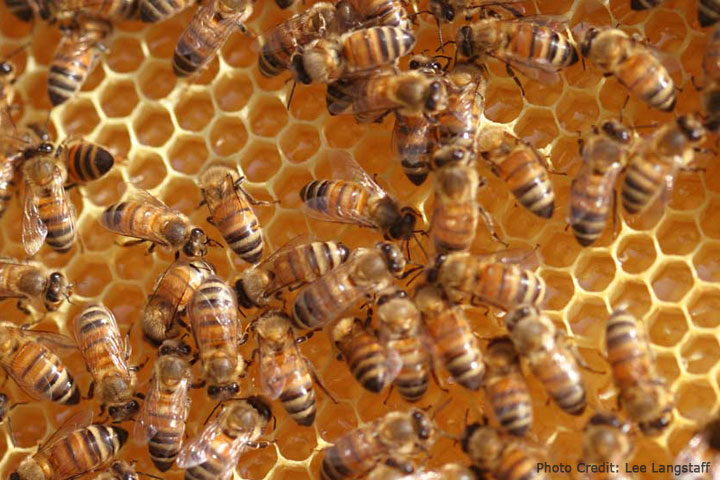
(665, 265)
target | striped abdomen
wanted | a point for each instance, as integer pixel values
(144, 221)
(414, 376)
(644, 181)
(158, 10)
(455, 213)
(7, 181)
(647, 78)
(337, 199)
(366, 359)
(458, 123)
(507, 286)
(69, 69)
(56, 213)
(305, 263)
(708, 12)
(515, 463)
(239, 226)
(21, 9)
(351, 455)
(644, 4)
(527, 178)
(590, 200)
(298, 396)
(87, 161)
(530, 42)
(413, 145)
(506, 389)
(323, 300)
(558, 372)
(217, 454)
(627, 350)
(369, 48)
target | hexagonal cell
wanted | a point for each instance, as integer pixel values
(537, 126)
(632, 295)
(667, 326)
(695, 399)
(300, 142)
(232, 91)
(91, 277)
(636, 253)
(704, 308)
(107, 190)
(309, 106)
(576, 110)
(672, 281)
(560, 289)
(125, 55)
(194, 111)
(667, 364)
(565, 155)
(257, 463)
(118, 99)
(182, 194)
(238, 52)
(521, 223)
(287, 186)
(295, 444)
(595, 271)
(153, 126)
(227, 136)
(162, 37)
(559, 249)
(701, 353)
(94, 79)
(188, 154)
(260, 161)
(286, 225)
(126, 302)
(666, 30)
(147, 170)
(342, 132)
(156, 80)
(116, 139)
(267, 116)
(587, 318)
(286, 473)
(678, 235)
(707, 262)
(504, 102)
(708, 218)
(79, 118)
(688, 192)
(542, 94)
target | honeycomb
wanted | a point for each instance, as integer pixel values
(664, 265)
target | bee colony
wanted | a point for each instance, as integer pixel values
(661, 265)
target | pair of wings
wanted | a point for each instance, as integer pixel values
(271, 372)
(145, 426)
(114, 347)
(198, 264)
(215, 28)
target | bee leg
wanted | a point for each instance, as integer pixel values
(697, 87)
(433, 372)
(568, 342)
(319, 383)
(615, 215)
(515, 78)
(405, 467)
(210, 221)
(390, 390)
(490, 225)
(23, 308)
(182, 324)
(91, 391)
(131, 243)
(250, 198)
(259, 444)
(304, 338)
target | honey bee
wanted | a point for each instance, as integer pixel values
(394, 435)
(282, 41)
(21, 9)
(644, 4)
(215, 326)
(73, 450)
(652, 168)
(458, 124)
(149, 220)
(506, 458)
(549, 358)
(75, 56)
(206, 33)
(634, 65)
(350, 54)
(604, 155)
(215, 452)
(158, 10)
(30, 281)
(354, 14)
(368, 270)
(452, 337)
(485, 279)
(85, 161)
(413, 145)
(711, 95)
(120, 470)
(371, 364)
(450, 471)
(506, 389)
(231, 213)
(353, 197)
(53, 11)
(708, 12)
(703, 449)
(173, 290)
(105, 354)
(400, 331)
(643, 393)
(291, 266)
(521, 167)
(606, 440)
(284, 372)
(162, 419)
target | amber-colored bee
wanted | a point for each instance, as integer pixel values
(173, 291)
(469, 278)
(75, 56)
(632, 63)
(281, 42)
(159, 10)
(708, 12)
(368, 270)
(506, 458)
(353, 197)
(162, 418)
(521, 167)
(215, 452)
(120, 470)
(354, 14)
(458, 124)
(450, 471)
(85, 161)
(216, 328)
(149, 220)
(550, 360)
(413, 145)
(506, 389)
(350, 54)
(643, 393)
(206, 33)
(604, 155)
(452, 337)
(21, 9)
(396, 435)
(106, 354)
(291, 266)
(400, 328)
(57, 10)
(711, 90)
(703, 449)
(652, 168)
(284, 372)
(606, 441)
(644, 4)
(231, 211)
(30, 281)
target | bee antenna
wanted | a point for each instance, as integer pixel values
(290, 97)
(16, 51)
(441, 48)
(212, 412)
(440, 408)
(422, 249)
(213, 243)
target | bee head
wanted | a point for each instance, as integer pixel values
(123, 411)
(223, 392)
(422, 425)
(404, 227)
(297, 67)
(174, 347)
(393, 256)
(586, 44)
(262, 407)
(423, 62)
(57, 290)
(616, 131)
(692, 128)
(6, 68)
(196, 246)
(442, 10)
(437, 97)
(608, 419)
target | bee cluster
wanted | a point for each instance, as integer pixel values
(399, 312)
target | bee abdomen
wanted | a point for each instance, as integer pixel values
(300, 403)
(515, 464)
(367, 363)
(465, 365)
(333, 465)
(708, 12)
(243, 234)
(512, 406)
(563, 383)
(87, 161)
(587, 226)
(644, 4)
(157, 10)
(529, 182)
(164, 448)
(639, 187)
(60, 228)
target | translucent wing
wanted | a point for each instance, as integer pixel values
(50, 339)
(34, 230)
(272, 379)
(76, 421)
(146, 425)
(113, 348)
(523, 257)
(344, 167)
(393, 363)
(140, 195)
(294, 242)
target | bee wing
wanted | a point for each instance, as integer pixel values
(294, 242)
(272, 379)
(393, 363)
(34, 230)
(80, 419)
(114, 347)
(146, 424)
(344, 167)
(527, 258)
(52, 340)
(556, 22)
(538, 70)
(196, 452)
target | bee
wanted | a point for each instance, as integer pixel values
(355, 14)
(119, 470)
(606, 440)
(168, 302)
(152, 11)
(206, 33)
(85, 161)
(353, 197)
(703, 448)
(644, 4)
(31, 281)
(400, 331)
(652, 168)
(533, 46)
(291, 266)
(521, 167)
(458, 124)
(452, 337)
(371, 364)
(479, 279)
(506, 458)
(506, 389)
(162, 419)
(450, 471)
(282, 41)
(395, 435)
(73, 450)
(711, 95)
(643, 393)
(230, 211)
(368, 270)
(105, 354)
(22, 9)
(604, 155)
(215, 326)
(549, 358)
(413, 143)
(634, 65)
(53, 11)
(75, 56)
(708, 12)
(284, 372)
(149, 220)
(351, 54)
(215, 452)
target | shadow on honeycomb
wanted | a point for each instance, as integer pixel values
(665, 267)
